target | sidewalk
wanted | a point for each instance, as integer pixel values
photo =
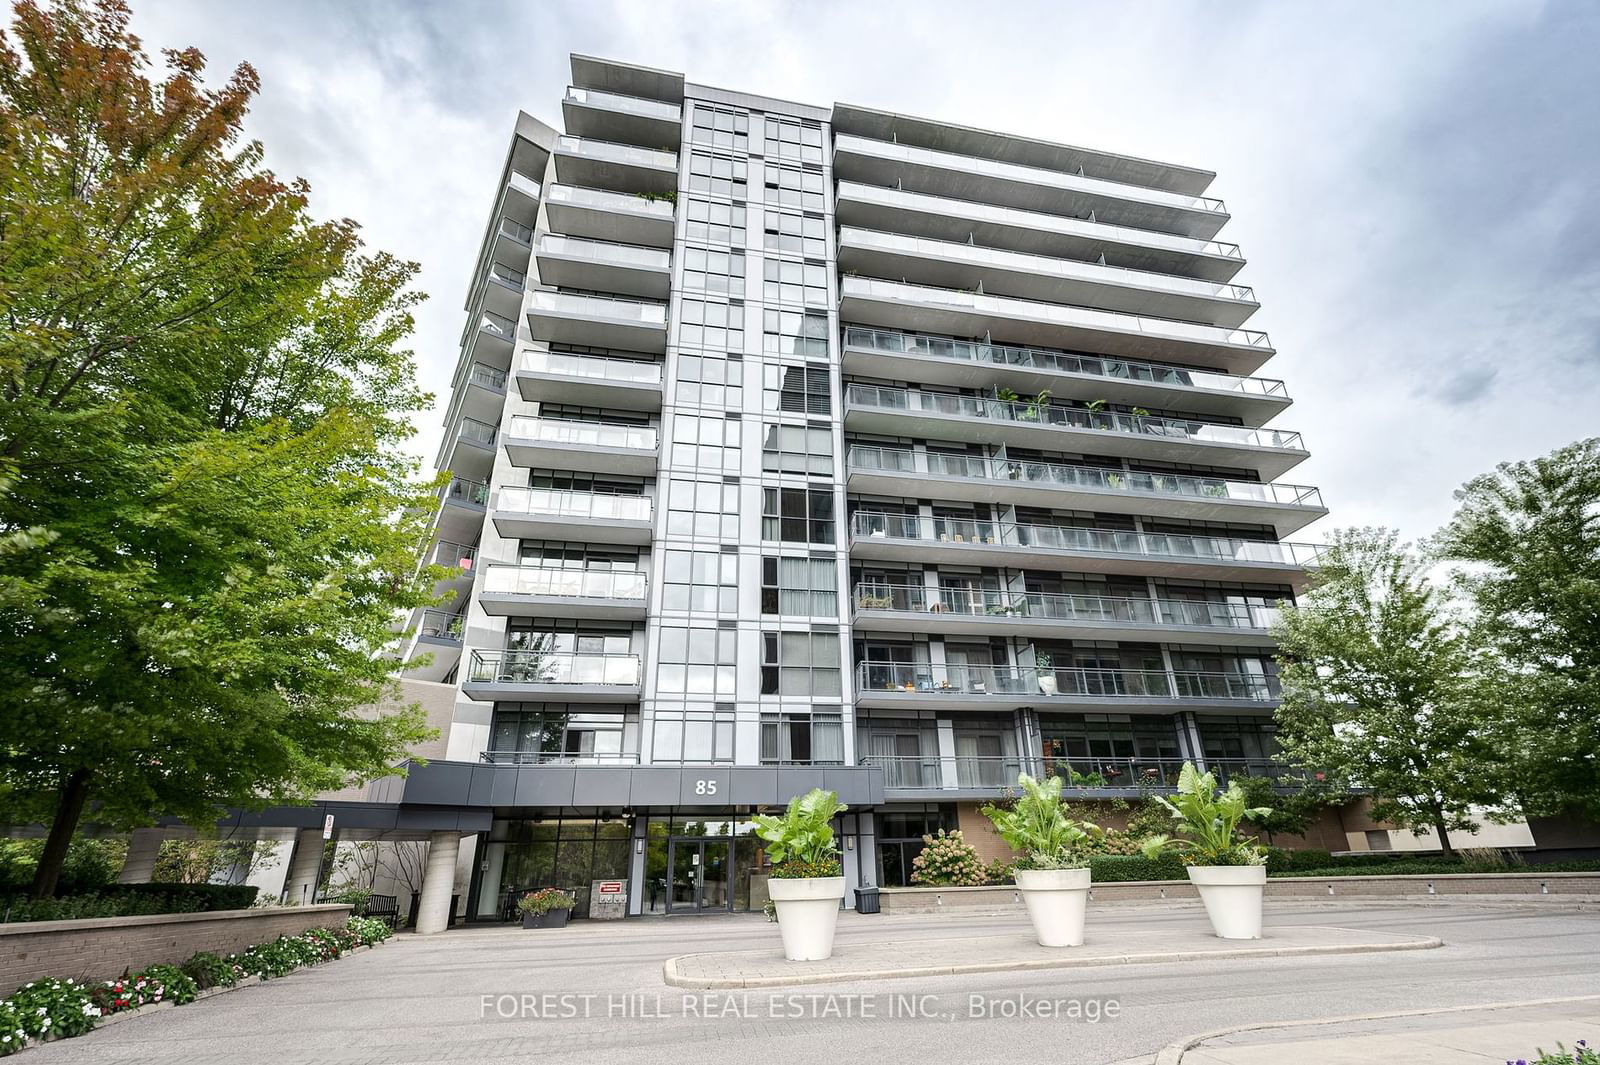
(1484, 1035)
(878, 959)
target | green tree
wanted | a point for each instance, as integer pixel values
(1379, 686)
(1530, 536)
(207, 518)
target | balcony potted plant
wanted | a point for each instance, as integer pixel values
(1228, 869)
(1047, 679)
(1053, 872)
(546, 908)
(807, 882)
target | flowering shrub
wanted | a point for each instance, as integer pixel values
(948, 860)
(209, 970)
(55, 1007)
(128, 993)
(368, 930)
(12, 1037)
(545, 900)
(1582, 1054)
(177, 986)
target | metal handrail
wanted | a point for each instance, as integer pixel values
(504, 757)
(996, 602)
(552, 667)
(512, 579)
(569, 504)
(564, 431)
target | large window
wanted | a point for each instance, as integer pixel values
(800, 334)
(801, 664)
(697, 661)
(556, 732)
(802, 739)
(702, 509)
(567, 853)
(700, 581)
(791, 139)
(796, 234)
(721, 127)
(710, 324)
(717, 175)
(710, 270)
(1110, 750)
(792, 187)
(900, 841)
(797, 515)
(797, 389)
(567, 637)
(798, 449)
(800, 587)
(715, 223)
(710, 381)
(706, 443)
(795, 282)
(693, 736)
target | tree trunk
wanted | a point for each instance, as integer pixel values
(1447, 851)
(74, 794)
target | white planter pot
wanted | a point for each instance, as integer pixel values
(1055, 899)
(1232, 896)
(1047, 684)
(808, 910)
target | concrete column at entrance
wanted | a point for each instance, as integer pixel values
(144, 845)
(300, 886)
(438, 881)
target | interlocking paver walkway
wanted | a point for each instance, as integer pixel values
(896, 959)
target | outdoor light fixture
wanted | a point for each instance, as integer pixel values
(638, 846)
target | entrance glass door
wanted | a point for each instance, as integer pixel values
(700, 873)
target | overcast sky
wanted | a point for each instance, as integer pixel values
(1416, 185)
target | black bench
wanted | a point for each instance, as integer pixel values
(383, 908)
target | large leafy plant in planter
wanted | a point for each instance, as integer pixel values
(1037, 825)
(800, 840)
(1209, 820)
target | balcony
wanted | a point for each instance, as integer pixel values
(1034, 232)
(974, 478)
(1031, 188)
(489, 338)
(1065, 689)
(440, 626)
(1053, 427)
(965, 266)
(470, 449)
(502, 286)
(626, 269)
(550, 514)
(590, 380)
(593, 447)
(982, 366)
(462, 558)
(597, 164)
(991, 612)
(966, 542)
(611, 116)
(512, 590)
(560, 677)
(598, 321)
(948, 776)
(926, 309)
(480, 391)
(620, 217)
(559, 758)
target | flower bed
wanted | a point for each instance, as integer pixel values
(59, 1009)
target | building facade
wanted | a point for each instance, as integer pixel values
(796, 445)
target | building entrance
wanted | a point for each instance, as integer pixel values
(701, 872)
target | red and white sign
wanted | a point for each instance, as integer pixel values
(610, 887)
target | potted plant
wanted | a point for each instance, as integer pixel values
(807, 882)
(546, 908)
(1043, 664)
(1053, 872)
(1228, 869)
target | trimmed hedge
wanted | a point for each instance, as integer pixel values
(130, 900)
(1120, 868)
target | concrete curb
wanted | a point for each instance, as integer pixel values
(1172, 1053)
(674, 978)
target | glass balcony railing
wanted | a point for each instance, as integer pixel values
(517, 231)
(1021, 218)
(866, 459)
(1062, 314)
(593, 367)
(894, 343)
(551, 502)
(476, 432)
(604, 251)
(497, 325)
(485, 376)
(1044, 265)
(463, 490)
(1099, 609)
(608, 151)
(517, 757)
(440, 625)
(947, 772)
(633, 105)
(523, 184)
(507, 276)
(510, 579)
(867, 524)
(605, 200)
(645, 312)
(456, 556)
(593, 434)
(914, 401)
(550, 667)
(1031, 175)
(1066, 681)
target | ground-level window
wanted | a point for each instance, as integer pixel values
(900, 835)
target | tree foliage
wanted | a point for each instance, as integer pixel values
(1381, 683)
(1529, 534)
(207, 519)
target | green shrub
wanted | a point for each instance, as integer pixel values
(59, 1008)
(947, 860)
(209, 970)
(544, 900)
(130, 900)
(177, 986)
(12, 1037)
(368, 930)
(1581, 1054)
(1122, 868)
(90, 864)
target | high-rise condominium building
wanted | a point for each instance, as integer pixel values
(797, 445)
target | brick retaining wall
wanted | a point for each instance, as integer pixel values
(102, 948)
(934, 899)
